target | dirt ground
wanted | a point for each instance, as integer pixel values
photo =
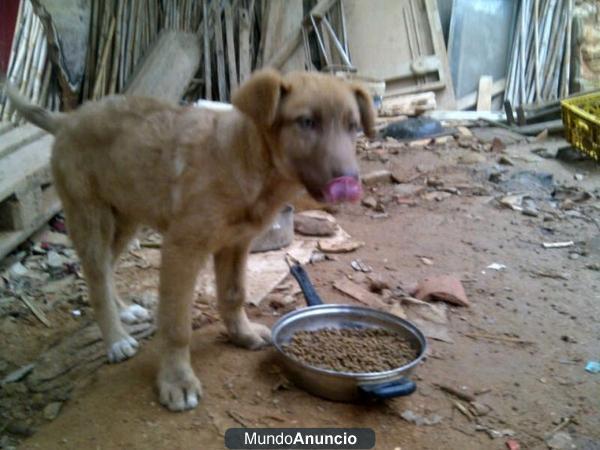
(520, 349)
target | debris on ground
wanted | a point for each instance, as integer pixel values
(496, 266)
(592, 367)
(360, 266)
(513, 444)
(561, 441)
(446, 288)
(494, 434)
(376, 177)
(459, 393)
(558, 244)
(309, 224)
(369, 201)
(431, 318)
(413, 128)
(339, 246)
(377, 283)
(463, 410)
(357, 292)
(419, 420)
(52, 410)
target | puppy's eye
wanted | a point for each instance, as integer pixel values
(306, 123)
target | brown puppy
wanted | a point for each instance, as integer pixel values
(209, 182)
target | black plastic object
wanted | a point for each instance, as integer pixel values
(413, 128)
(311, 296)
(399, 388)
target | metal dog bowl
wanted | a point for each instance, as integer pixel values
(344, 386)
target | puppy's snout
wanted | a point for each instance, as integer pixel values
(343, 189)
(346, 173)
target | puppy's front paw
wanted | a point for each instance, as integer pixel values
(134, 314)
(253, 337)
(179, 389)
(122, 349)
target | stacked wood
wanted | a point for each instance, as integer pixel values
(539, 65)
(121, 31)
(231, 35)
(29, 67)
(408, 105)
(236, 36)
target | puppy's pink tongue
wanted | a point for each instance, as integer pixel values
(343, 189)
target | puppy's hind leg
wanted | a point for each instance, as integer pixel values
(230, 267)
(91, 228)
(124, 232)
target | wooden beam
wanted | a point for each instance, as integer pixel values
(484, 94)
(470, 100)
(446, 98)
(168, 67)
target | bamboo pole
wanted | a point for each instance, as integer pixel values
(137, 35)
(91, 53)
(39, 70)
(116, 57)
(13, 50)
(130, 42)
(207, 54)
(99, 86)
(231, 61)
(14, 72)
(45, 84)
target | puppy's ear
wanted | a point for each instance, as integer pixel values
(259, 97)
(365, 107)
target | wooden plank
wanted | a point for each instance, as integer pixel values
(408, 105)
(470, 100)
(484, 94)
(467, 115)
(284, 19)
(446, 97)
(410, 51)
(231, 64)
(24, 163)
(25, 201)
(168, 67)
(17, 137)
(9, 240)
(244, 33)
(420, 66)
(221, 80)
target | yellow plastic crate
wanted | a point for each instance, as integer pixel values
(581, 116)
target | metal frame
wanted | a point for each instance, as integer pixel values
(313, 23)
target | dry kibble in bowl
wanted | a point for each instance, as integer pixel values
(350, 349)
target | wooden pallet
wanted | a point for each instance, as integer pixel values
(15, 138)
(27, 197)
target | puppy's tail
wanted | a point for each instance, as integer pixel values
(47, 120)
